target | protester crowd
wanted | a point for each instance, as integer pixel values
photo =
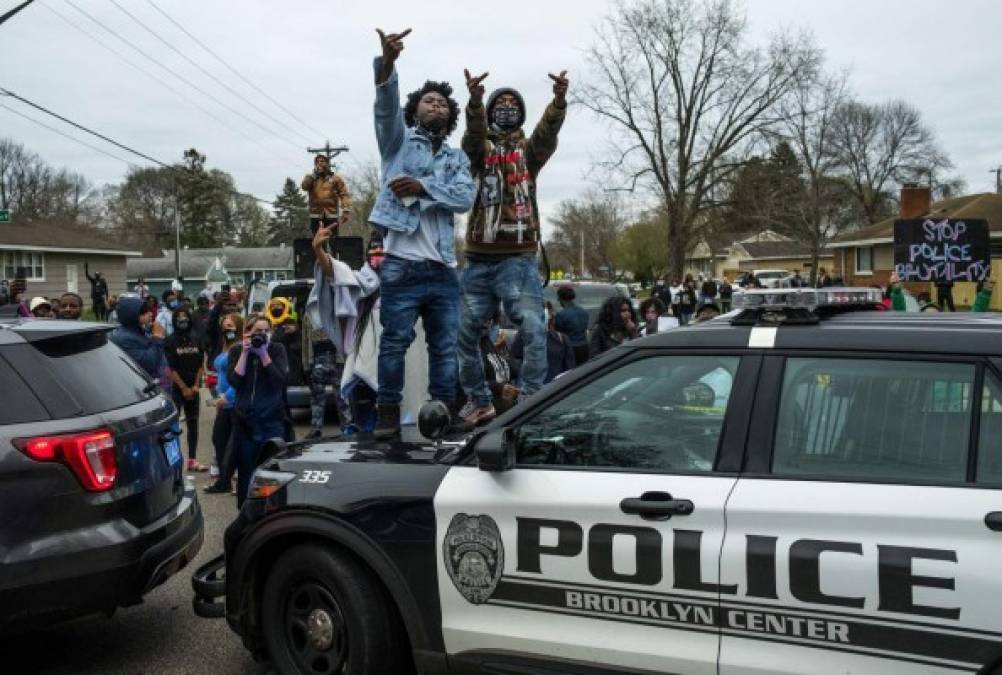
(489, 340)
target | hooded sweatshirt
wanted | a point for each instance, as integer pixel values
(505, 164)
(144, 349)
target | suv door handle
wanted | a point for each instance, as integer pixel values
(656, 506)
(994, 521)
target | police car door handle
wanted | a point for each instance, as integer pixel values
(994, 521)
(656, 506)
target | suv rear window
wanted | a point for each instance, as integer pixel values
(890, 421)
(93, 371)
(19, 404)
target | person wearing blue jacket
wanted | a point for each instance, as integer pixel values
(425, 183)
(257, 371)
(142, 338)
(231, 327)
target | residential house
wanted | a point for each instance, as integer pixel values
(197, 271)
(865, 256)
(761, 250)
(244, 265)
(52, 257)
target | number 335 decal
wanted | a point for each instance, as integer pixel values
(315, 477)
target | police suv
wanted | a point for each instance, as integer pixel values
(792, 487)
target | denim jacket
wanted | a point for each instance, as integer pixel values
(445, 176)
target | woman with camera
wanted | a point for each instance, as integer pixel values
(257, 371)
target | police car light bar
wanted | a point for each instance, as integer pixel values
(805, 298)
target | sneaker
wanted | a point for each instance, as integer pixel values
(480, 415)
(313, 435)
(387, 421)
(217, 488)
(195, 465)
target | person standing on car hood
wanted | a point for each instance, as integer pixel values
(258, 368)
(425, 183)
(502, 235)
(141, 337)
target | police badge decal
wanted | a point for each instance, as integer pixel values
(474, 556)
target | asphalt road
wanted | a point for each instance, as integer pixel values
(162, 635)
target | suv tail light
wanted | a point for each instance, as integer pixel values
(90, 455)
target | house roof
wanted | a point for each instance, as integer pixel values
(193, 267)
(47, 236)
(987, 205)
(764, 250)
(238, 258)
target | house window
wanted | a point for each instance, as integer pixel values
(864, 260)
(29, 264)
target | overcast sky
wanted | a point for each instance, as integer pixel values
(315, 58)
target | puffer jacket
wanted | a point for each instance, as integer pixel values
(505, 216)
(146, 350)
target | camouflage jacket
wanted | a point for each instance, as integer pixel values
(504, 219)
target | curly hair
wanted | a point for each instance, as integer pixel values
(656, 303)
(443, 88)
(610, 316)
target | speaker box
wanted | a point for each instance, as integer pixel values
(349, 250)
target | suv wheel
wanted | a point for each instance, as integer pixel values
(323, 614)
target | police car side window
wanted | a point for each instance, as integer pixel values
(874, 419)
(663, 413)
(990, 434)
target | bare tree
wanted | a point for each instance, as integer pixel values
(591, 227)
(880, 147)
(688, 98)
(813, 206)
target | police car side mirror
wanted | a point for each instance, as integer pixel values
(495, 450)
(271, 448)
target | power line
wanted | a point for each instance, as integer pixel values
(203, 70)
(160, 65)
(234, 71)
(128, 149)
(166, 85)
(63, 133)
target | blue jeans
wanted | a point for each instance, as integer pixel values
(513, 283)
(410, 289)
(249, 436)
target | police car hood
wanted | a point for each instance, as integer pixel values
(362, 450)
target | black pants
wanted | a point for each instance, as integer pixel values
(580, 354)
(946, 299)
(222, 444)
(190, 408)
(100, 308)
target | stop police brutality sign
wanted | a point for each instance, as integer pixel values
(926, 249)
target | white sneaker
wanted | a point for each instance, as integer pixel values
(481, 415)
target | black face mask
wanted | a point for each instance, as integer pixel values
(505, 118)
(183, 325)
(434, 129)
(230, 335)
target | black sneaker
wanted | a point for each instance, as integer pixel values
(314, 435)
(387, 421)
(218, 488)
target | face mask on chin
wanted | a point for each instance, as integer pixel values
(183, 325)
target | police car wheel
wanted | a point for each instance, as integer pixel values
(323, 614)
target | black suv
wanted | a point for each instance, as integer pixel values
(96, 510)
(788, 489)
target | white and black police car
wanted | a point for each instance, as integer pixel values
(789, 488)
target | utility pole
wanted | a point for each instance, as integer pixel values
(998, 179)
(14, 11)
(330, 151)
(177, 236)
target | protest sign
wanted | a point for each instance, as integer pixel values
(930, 249)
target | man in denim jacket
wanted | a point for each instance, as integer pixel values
(424, 184)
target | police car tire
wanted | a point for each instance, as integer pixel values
(376, 640)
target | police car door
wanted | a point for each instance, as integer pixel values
(860, 539)
(601, 545)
